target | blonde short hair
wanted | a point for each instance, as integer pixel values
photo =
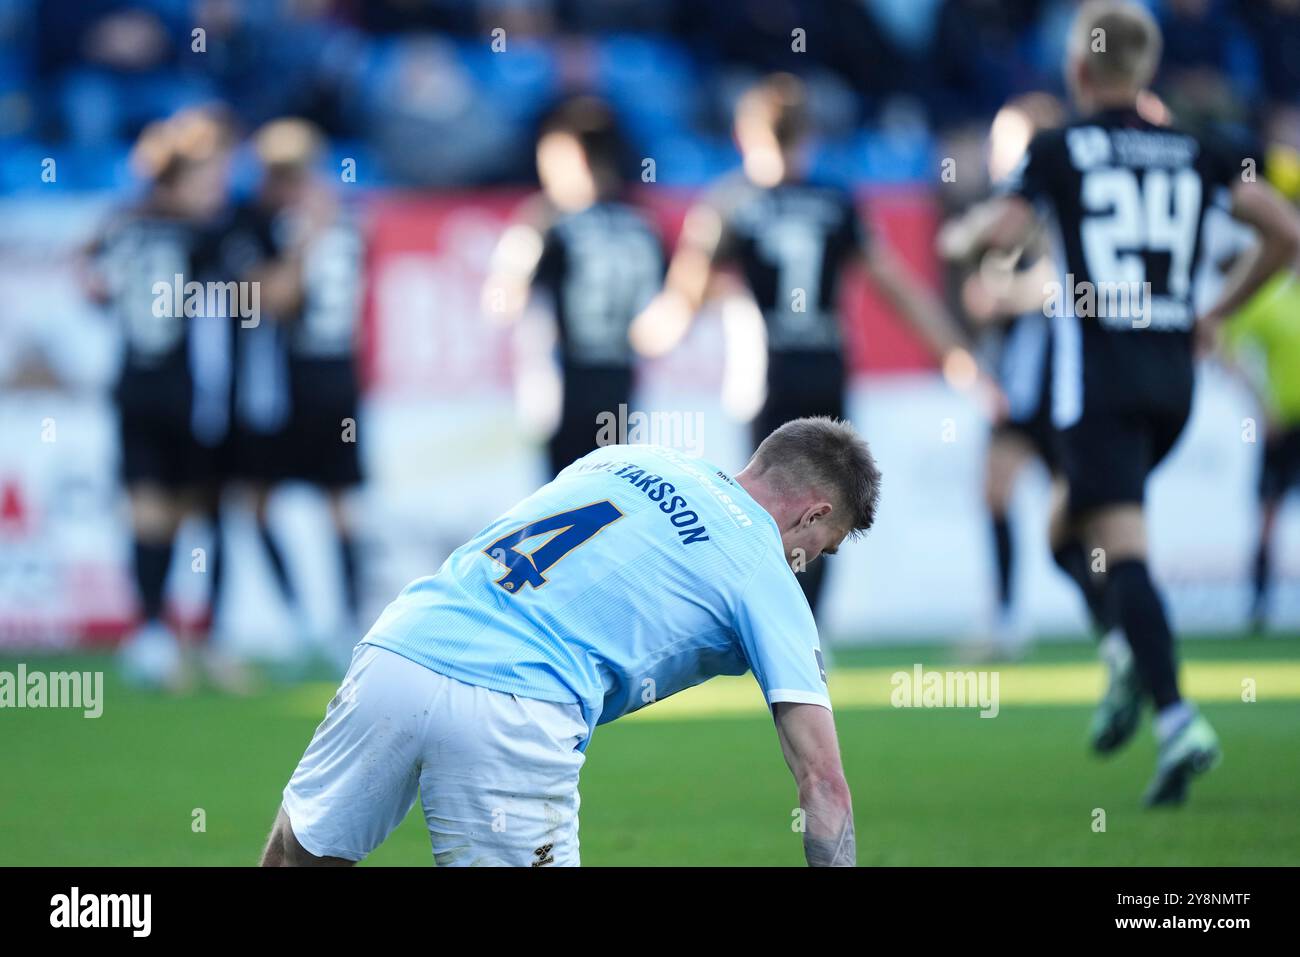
(1118, 42)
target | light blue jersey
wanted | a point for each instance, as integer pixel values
(637, 573)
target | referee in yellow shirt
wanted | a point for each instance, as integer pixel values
(1265, 336)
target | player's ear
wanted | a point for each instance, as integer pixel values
(817, 512)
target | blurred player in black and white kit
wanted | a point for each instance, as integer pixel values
(791, 240)
(173, 391)
(1126, 199)
(1006, 298)
(296, 395)
(595, 259)
(1003, 295)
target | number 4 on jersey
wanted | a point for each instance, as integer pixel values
(563, 533)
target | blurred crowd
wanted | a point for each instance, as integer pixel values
(450, 92)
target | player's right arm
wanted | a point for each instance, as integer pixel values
(1008, 221)
(807, 733)
(520, 254)
(1004, 223)
(779, 638)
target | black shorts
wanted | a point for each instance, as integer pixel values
(320, 442)
(1107, 455)
(262, 458)
(591, 394)
(800, 385)
(158, 443)
(1280, 471)
(1024, 373)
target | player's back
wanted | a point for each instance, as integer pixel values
(1128, 200)
(602, 265)
(791, 241)
(143, 256)
(636, 573)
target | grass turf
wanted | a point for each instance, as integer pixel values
(699, 779)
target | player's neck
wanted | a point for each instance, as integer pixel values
(760, 491)
(1109, 101)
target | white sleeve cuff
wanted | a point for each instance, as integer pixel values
(794, 696)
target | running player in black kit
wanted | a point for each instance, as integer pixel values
(791, 239)
(297, 396)
(597, 259)
(1126, 199)
(173, 390)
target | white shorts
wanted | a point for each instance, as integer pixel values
(497, 773)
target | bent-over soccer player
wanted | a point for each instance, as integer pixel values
(638, 572)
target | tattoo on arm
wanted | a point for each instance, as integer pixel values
(840, 851)
(829, 840)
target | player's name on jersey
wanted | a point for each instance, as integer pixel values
(1092, 146)
(1116, 305)
(240, 300)
(683, 518)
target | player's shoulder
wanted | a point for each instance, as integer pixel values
(731, 192)
(625, 215)
(1230, 151)
(1046, 146)
(139, 217)
(817, 195)
(823, 187)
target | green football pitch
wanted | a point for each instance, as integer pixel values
(699, 780)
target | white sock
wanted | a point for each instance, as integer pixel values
(1010, 634)
(1170, 718)
(1115, 650)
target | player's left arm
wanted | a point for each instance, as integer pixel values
(923, 311)
(667, 318)
(1260, 206)
(1008, 221)
(931, 320)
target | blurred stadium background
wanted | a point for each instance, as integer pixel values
(431, 109)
